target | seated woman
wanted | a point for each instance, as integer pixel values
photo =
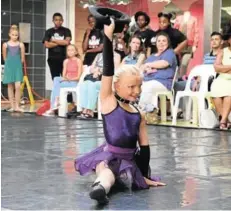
(221, 86)
(72, 70)
(136, 55)
(159, 70)
(89, 89)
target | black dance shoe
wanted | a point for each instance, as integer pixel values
(98, 193)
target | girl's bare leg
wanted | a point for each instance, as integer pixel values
(17, 96)
(102, 185)
(226, 109)
(11, 95)
(218, 102)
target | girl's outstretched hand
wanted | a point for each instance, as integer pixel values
(108, 30)
(153, 183)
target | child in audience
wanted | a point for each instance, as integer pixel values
(72, 70)
(123, 126)
(14, 56)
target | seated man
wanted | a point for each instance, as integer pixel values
(209, 58)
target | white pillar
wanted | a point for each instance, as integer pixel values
(71, 18)
(212, 20)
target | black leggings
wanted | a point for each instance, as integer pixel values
(56, 66)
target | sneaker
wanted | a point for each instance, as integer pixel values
(49, 113)
(10, 110)
(98, 193)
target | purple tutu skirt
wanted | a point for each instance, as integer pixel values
(121, 161)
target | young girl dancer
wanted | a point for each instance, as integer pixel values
(14, 55)
(116, 160)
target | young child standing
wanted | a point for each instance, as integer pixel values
(117, 160)
(14, 55)
(56, 39)
(72, 70)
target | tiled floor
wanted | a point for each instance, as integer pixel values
(38, 171)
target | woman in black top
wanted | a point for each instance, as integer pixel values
(92, 42)
(178, 39)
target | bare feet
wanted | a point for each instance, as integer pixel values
(19, 110)
(223, 126)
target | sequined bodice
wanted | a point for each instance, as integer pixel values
(121, 127)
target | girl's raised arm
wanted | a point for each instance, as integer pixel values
(108, 62)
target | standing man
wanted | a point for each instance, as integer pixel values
(56, 39)
(92, 42)
(147, 35)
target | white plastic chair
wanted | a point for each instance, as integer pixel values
(198, 97)
(98, 109)
(169, 95)
(63, 108)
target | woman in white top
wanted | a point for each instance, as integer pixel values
(221, 86)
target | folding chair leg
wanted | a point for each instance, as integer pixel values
(163, 108)
(195, 110)
(171, 103)
(99, 110)
(188, 109)
(63, 104)
(175, 109)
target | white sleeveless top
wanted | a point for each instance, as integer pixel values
(226, 60)
(226, 56)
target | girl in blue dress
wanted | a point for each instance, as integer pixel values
(119, 160)
(14, 55)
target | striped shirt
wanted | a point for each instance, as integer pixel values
(209, 58)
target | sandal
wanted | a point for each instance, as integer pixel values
(223, 126)
(82, 115)
(88, 116)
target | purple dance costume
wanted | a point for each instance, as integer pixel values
(121, 129)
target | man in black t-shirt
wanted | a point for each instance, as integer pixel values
(92, 42)
(146, 34)
(56, 39)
